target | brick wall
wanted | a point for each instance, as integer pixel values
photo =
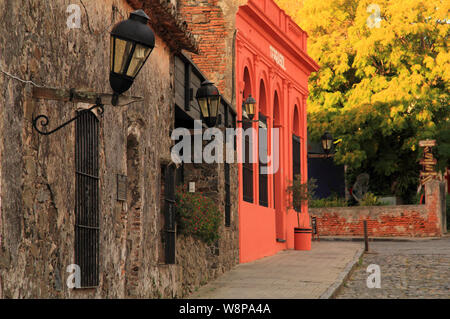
(212, 22)
(384, 221)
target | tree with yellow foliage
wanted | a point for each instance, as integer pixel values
(383, 83)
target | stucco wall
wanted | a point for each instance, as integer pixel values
(38, 175)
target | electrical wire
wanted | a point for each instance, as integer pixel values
(24, 81)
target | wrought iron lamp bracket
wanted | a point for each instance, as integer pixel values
(247, 121)
(43, 120)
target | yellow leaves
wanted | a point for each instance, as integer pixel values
(291, 7)
(443, 65)
(395, 111)
(370, 70)
(416, 67)
(429, 62)
(424, 116)
(394, 77)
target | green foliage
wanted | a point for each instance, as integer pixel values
(300, 192)
(380, 90)
(332, 201)
(369, 199)
(197, 215)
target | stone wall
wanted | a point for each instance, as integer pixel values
(211, 261)
(385, 221)
(37, 173)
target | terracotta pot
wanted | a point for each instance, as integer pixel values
(302, 238)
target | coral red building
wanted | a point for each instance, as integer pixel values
(253, 47)
(272, 65)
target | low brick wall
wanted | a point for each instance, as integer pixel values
(384, 221)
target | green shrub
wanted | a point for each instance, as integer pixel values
(369, 199)
(197, 216)
(299, 192)
(332, 201)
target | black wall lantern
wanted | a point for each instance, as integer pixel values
(132, 42)
(208, 98)
(327, 142)
(250, 106)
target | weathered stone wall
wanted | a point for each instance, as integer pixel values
(384, 221)
(211, 261)
(37, 173)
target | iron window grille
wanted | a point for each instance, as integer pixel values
(227, 196)
(169, 214)
(87, 217)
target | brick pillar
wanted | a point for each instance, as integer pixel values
(212, 22)
(435, 204)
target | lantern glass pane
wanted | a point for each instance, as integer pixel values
(123, 50)
(326, 144)
(214, 105)
(250, 108)
(203, 102)
(329, 144)
(140, 55)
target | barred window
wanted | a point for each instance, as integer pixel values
(227, 196)
(169, 176)
(87, 219)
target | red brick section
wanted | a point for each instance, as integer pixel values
(384, 221)
(206, 21)
(167, 24)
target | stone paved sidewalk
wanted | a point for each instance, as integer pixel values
(288, 274)
(414, 269)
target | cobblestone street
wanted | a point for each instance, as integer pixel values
(413, 269)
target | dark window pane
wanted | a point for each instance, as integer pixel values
(247, 167)
(263, 192)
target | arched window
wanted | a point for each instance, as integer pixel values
(276, 177)
(296, 144)
(247, 166)
(263, 146)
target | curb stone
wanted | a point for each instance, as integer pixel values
(331, 292)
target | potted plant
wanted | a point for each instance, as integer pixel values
(299, 193)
